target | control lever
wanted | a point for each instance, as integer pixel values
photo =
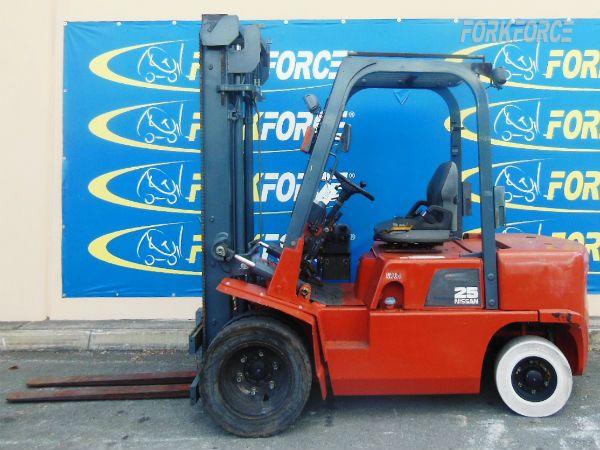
(271, 250)
(257, 266)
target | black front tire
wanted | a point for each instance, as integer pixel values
(256, 377)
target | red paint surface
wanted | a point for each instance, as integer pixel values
(362, 348)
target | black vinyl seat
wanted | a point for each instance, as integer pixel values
(429, 221)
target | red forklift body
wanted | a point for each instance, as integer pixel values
(363, 346)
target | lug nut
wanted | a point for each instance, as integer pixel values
(275, 366)
(239, 377)
(271, 384)
(253, 391)
(261, 354)
(244, 359)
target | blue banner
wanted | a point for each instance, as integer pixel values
(132, 188)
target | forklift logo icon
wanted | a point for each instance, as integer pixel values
(513, 121)
(156, 246)
(155, 124)
(155, 185)
(519, 183)
(158, 64)
(518, 63)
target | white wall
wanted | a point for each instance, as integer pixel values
(31, 127)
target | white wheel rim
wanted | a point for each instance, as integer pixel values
(533, 347)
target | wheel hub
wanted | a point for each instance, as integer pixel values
(256, 380)
(257, 370)
(534, 379)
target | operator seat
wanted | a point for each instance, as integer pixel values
(430, 221)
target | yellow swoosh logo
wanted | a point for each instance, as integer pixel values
(98, 248)
(99, 126)
(472, 136)
(100, 66)
(544, 87)
(475, 197)
(99, 188)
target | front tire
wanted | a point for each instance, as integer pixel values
(256, 377)
(533, 377)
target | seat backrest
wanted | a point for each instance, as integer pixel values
(442, 189)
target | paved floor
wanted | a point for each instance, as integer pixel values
(399, 422)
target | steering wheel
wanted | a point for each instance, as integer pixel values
(351, 187)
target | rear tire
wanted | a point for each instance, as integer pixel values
(256, 377)
(533, 377)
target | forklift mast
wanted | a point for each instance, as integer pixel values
(234, 62)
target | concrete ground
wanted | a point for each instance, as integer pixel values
(400, 422)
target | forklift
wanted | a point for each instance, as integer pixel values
(431, 306)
